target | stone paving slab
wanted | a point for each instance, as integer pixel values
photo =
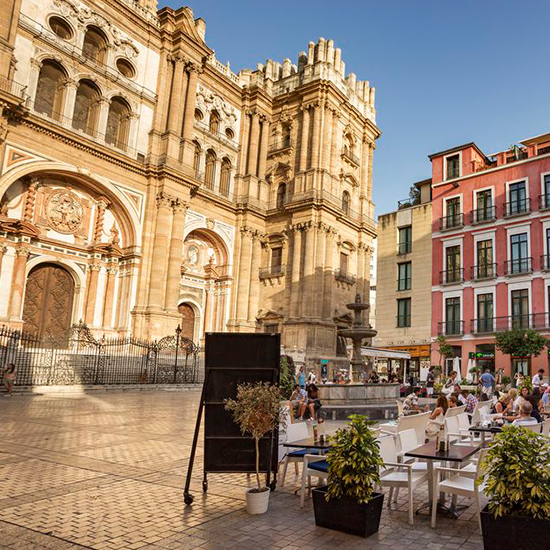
(106, 472)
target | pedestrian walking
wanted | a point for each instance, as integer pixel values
(9, 378)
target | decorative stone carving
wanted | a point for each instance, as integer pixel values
(193, 255)
(64, 212)
(208, 101)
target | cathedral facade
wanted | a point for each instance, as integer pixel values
(144, 185)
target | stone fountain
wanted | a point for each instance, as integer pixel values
(357, 333)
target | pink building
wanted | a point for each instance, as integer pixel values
(491, 249)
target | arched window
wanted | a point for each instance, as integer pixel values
(95, 45)
(349, 146)
(86, 107)
(345, 202)
(60, 27)
(197, 160)
(224, 177)
(118, 123)
(198, 115)
(210, 169)
(286, 135)
(50, 91)
(214, 123)
(281, 192)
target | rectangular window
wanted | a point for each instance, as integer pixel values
(276, 256)
(484, 206)
(452, 264)
(519, 252)
(546, 258)
(404, 275)
(520, 308)
(546, 196)
(517, 198)
(453, 323)
(404, 312)
(453, 216)
(343, 263)
(485, 313)
(485, 259)
(453, 166)
(405, 240)
(271, 329)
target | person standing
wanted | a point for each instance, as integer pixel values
(487, 383)
(430, 382)
(301, 378)
(537, 379)
(9, 378)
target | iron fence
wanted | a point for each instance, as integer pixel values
(81, 359)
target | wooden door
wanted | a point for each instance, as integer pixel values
(48, 306)
(187, 321)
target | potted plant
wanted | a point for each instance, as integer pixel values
(516, 473)
(257, 411)
(348, 502)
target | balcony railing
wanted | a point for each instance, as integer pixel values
(215, 134)
(451, 328)
(451, 276)
(14, 88)
(518, 267)
(483, 215)
(517, 208)
(544, 201)
(272, 271)
(481, 272)
(545, 262)
(344, 276)
(404, 248)
(350, 156)
(485, 325)
(280, 145)
(451, 222)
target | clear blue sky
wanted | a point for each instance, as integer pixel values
(445, 72)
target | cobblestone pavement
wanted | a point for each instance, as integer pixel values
(106, 472)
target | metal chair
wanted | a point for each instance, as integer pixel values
(314, 465)
(295, 432)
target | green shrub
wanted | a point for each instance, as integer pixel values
(353, 461)
(517, 474)
(286, 377)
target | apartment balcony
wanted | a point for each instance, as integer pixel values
(14, 88)
(451, 328)
(272, 271)
(517, 208)
(280, 146)
(344, 276)
(482, 272)
(522, 266)
(347, 154)
(218, 136)
(544, 202)
(545, 262)
(483, 215)
(451, 276)
(454, 221)
(489, 325)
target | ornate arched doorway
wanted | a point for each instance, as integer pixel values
(48, 306)
(187, 321)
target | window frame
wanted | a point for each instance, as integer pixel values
(404, 319)
(408, 243)
(445, 159)
(407, 285)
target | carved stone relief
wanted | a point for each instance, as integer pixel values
(64, 212)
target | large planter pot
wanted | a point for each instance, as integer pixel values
(523, 532)
(347, 515)
(257, 502)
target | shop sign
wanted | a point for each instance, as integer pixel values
(414, 351)
(481, 355)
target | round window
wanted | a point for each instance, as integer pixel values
(230, 134)
(61, 28)
(125, 68)
(198, 115)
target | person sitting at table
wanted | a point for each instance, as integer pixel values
(312, 403)
(525, 418)
(470, 400)
(513, 393)
(503, 405)
(411, 406)
(453, 402)
(297, 398)
(523, 393)
(545, 399)
(449, 386)
(437, 418)
(457, 392)
(534, 399)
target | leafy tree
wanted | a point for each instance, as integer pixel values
(520, 342)
(414, 195)
(286, 377)
(444, 349)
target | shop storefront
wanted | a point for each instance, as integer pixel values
(416, 366)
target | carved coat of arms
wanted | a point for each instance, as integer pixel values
(64, 212)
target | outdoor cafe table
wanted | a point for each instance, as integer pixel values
(310, 443)
(455, 456)
(485, 430)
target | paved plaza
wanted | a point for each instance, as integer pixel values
(106, 471)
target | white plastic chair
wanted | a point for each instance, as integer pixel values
(417, 422)
(546, 427)
(395, 474)
(295, 432)
(454, 434)
(458, 483)
(537, 428)
(455, 411)
(314, 465)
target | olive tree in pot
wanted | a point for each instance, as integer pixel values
(348, 502)
(257, 411)
(516, 477)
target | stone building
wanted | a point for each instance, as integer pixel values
(144, 184)
(403, 286)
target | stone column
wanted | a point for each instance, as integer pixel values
(108, 301)
(327, 139)
(296, 297)
(243, 153)
(69, 97)
(159, 263)
(334, 144)
(304, 138)
(317, 111)
(254, 300)
(241, 298)
(3, 249)
(193, 71)
(366, 271)
(30, 199)
(132, 132)
(360, 271)
(175, 113)
(217, 175)
(104, 104)
(369, 179)
(18, 282)
(319, 271)
(34, 73)
(176, 255)
(263, 148)
(254, 137)
(91, 293)
(329, 275)
(101, 206)
(364, 167)
(309, 271)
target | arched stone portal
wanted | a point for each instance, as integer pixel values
(48, 305)
(187, 321)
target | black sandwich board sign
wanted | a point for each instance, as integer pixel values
(232, 359)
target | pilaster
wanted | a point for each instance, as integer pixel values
(18, 283)
(295, 296)
(173, 279)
